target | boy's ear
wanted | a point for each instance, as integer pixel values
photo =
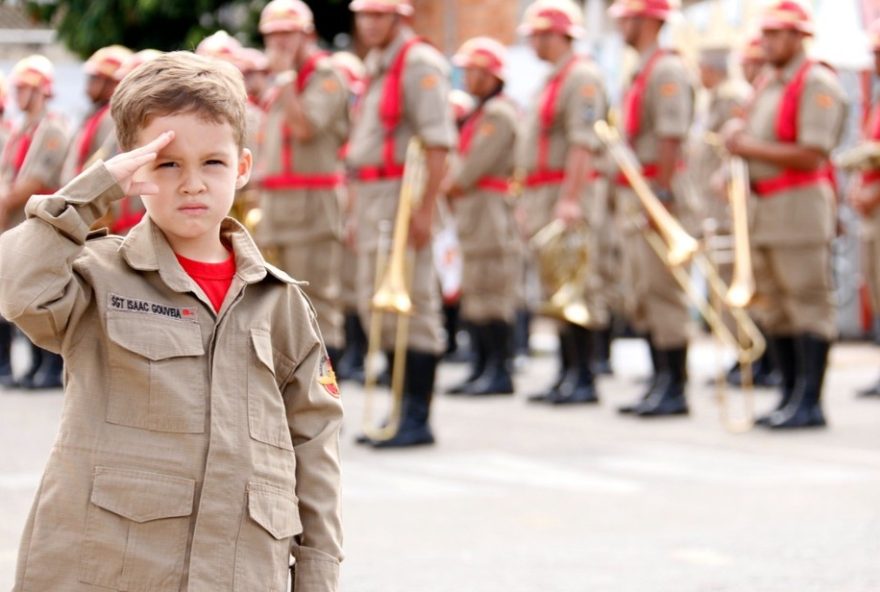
(245, 164)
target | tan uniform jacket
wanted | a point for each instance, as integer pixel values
(43, 161)
(484, 218)
(99, 142)
(426, 110)
(667, 111)
(704, 160)
(296, 216)
(801, 215)
(196, 450)
(581, 102)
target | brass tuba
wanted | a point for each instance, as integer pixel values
(676, 247)
(392, 296)
(563, 265)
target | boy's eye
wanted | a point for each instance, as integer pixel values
(166, 165)
(214, 162)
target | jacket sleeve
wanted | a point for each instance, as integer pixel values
(314, 413)
(39, 289)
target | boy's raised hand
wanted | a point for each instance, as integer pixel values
(123, 166)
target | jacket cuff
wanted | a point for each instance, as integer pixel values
(314, 571)
(76, 206)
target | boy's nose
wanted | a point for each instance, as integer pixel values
(192, 184)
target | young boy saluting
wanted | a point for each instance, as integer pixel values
(198, 447)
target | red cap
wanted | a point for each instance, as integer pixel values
(656, 9)
(482, 52)
(558, 16)
(401, 7)
(787, 15)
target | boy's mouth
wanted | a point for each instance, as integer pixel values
(193, 208)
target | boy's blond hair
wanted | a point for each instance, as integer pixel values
(175, 83)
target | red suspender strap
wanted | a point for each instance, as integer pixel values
(632, 102)
(127, 218)
(468, 130)
(21, 151)
(786, 131)
(288, 179)
(90, 128)
(546, 114)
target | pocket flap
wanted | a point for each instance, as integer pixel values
(263, 347)
(274, 510)
(142, 496)
(156, 339)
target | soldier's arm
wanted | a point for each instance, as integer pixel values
(585, 105)
(314, 416)
(673, 111)
(427, 109)
(492, 139)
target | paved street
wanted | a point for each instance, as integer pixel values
(518, 497)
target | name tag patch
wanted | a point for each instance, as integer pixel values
(126, 304)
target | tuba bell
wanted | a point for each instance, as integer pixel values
(563, 265)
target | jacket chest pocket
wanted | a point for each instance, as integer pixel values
(267, 415)
(262, 551)
(158, 374)
(137, 527)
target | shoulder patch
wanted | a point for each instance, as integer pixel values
(588, 90)
(429, 81)
(329, 85)
(487, 129)
(327, 377)
(669, 89)
(824, 101)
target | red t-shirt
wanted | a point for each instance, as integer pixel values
(213, 278)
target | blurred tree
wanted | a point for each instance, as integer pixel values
(87, 25)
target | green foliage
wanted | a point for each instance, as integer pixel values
(87, 25)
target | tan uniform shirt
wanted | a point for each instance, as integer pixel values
(483, 217)
(581, 102)
(704, 161)
(801, 215)
(296, 216)
(426, 107)
(196, 449)
(667, 111)
(105, 130)
(43, 161)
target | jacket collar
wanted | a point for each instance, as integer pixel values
(146, 249)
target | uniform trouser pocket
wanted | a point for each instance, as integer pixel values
(262, 551)
(137, 526)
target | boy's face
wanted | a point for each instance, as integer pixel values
(197, 175)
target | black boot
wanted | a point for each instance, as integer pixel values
(6, 378)
(479, 346)
(414, 430)
(351, 364)
(656, 364)
(49, 374)
(804, 410)
(602, 352)
(764, 372)
(521, 329)
(667, 398)
(782, 350)
(567, 354)
(495, 378)
(579, 386)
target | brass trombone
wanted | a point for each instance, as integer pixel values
(392, 295)
(676, 247)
